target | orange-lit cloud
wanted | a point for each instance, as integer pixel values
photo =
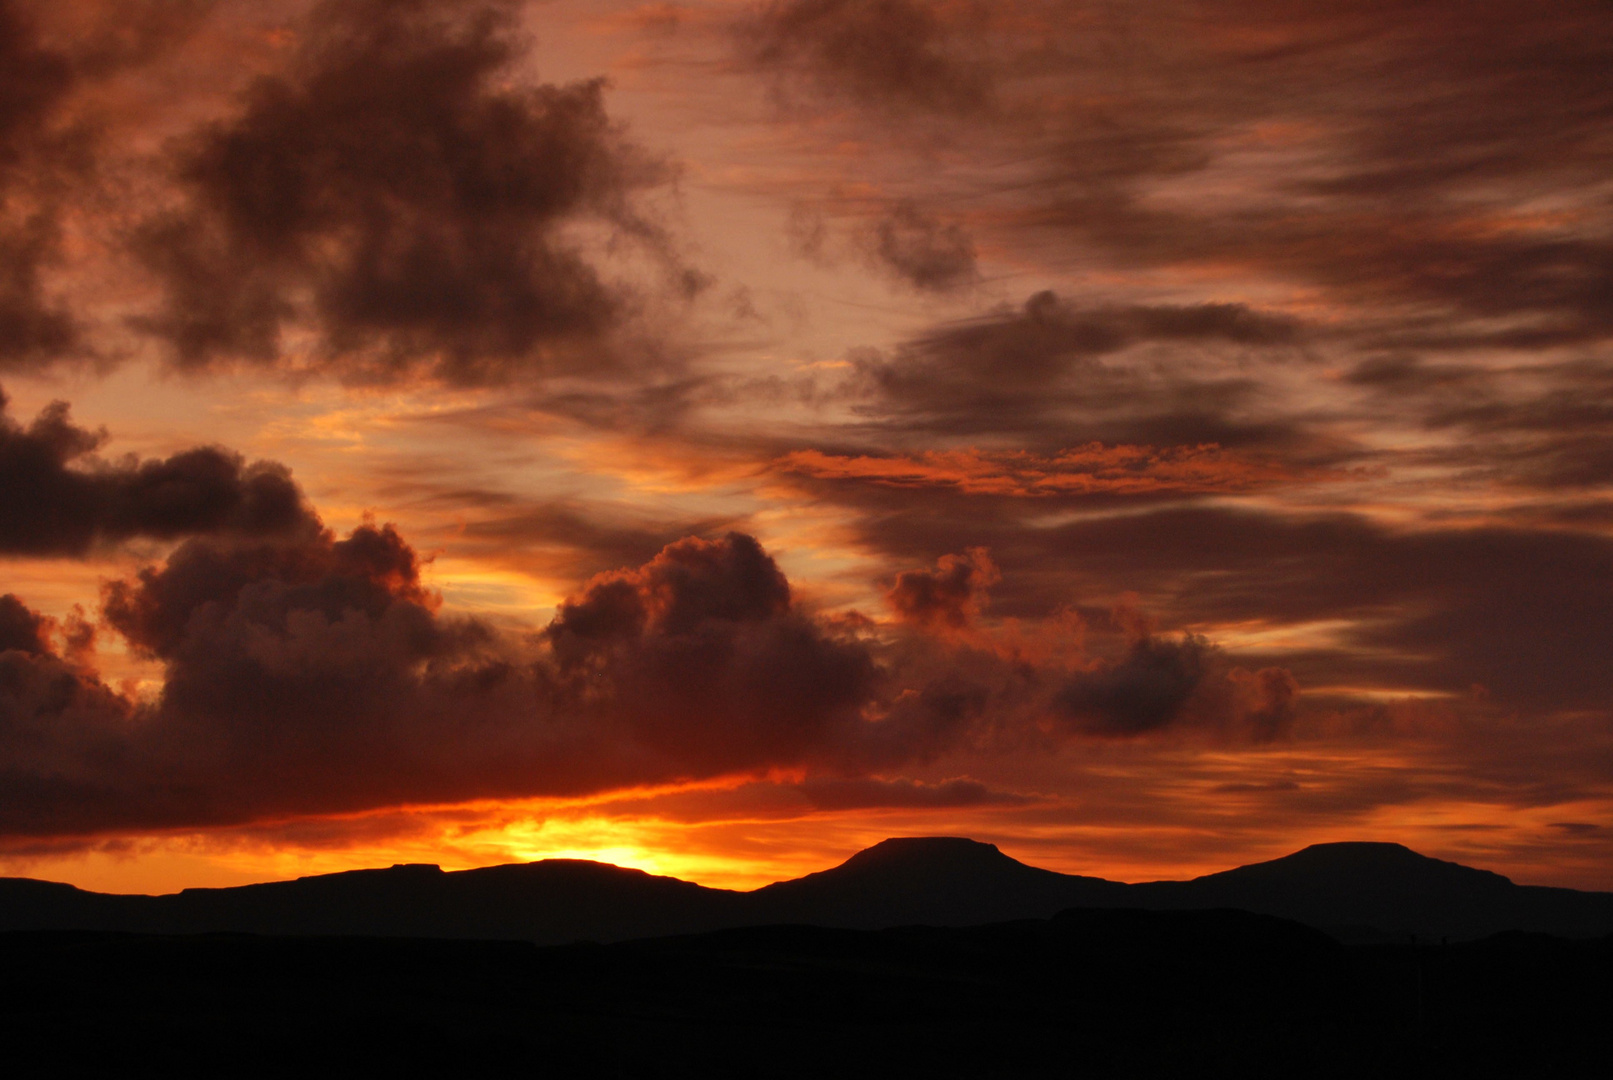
(1087, 470)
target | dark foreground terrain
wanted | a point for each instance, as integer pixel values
(1088, 993)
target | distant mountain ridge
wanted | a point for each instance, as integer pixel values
(1353, 890)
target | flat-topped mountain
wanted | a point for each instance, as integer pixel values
(933, 880)
(1390, 888)
(1352, 889)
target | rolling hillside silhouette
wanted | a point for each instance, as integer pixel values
(1356, 891)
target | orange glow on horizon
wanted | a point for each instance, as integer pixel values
(745, 851)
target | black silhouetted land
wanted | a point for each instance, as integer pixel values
(1357, 892)
(921, 957)
(1100, 993)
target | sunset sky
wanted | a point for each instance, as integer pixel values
(713, 437)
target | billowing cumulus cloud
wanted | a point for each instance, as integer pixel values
(63, 500)
(950, 596)
(22, 629)
(1143, 691)
(61, 734)
(703, 654)
(1161, 681)
(310, 674)
(313, 674)
(397, 201)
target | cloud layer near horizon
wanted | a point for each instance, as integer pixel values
(306, 674)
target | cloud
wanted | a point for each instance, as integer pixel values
(1053, 370)
(1429, 175)
(1144, 691)
(34, 83)
(63, 500)
(56, 63)
(313, 674)
(892, 54)
(871, 793)
(1544, 426)
(705, 658)
(1159, 682)
(923, 251)
(22, 629)
(397, 202)
(310, 674)
(1094, 469)
(61, 733)
(949, 597)
(572, 540)
(1522, 612)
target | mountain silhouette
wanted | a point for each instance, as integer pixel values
(550, 902)
(931, 880)
(1389, 888)
(1355, 891)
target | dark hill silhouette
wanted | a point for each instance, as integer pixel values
(550, 902)
(930, 880)
(1355, 891)
(1388, 888)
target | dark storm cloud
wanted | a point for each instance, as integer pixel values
(922, 250)
(399, 194)
(372, 574)
(21, 628)
(313, 674)
(885, 53)
(1142, 692)
(1158, 682)
(61, 733)
(704, 638)
(58, 499)
(281, 660)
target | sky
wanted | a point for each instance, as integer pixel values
(713, 437)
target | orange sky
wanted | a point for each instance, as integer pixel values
(714, 437)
